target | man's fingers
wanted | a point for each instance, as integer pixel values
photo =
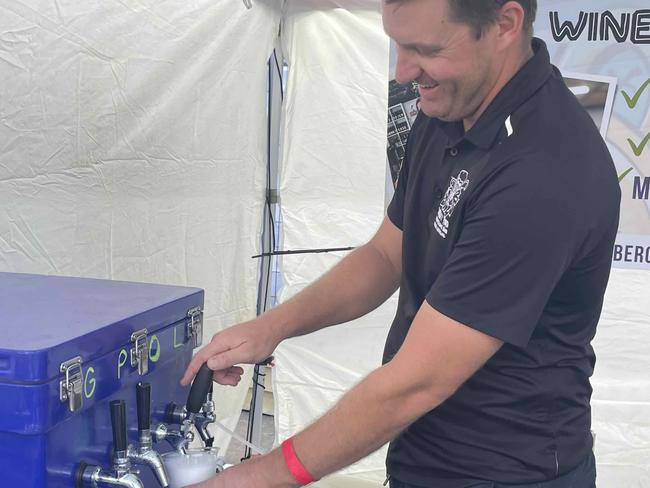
(236, 370)
(231, 376)
(226, 375)
(215, 347)
(195, 365)
(192, 369)
(226, 359)
(229, 380)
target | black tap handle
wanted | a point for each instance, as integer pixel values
(118, 421)
(199, 390)
(170, 410)
(143, 399)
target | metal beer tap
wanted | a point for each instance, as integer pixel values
(121, 474)
(195, 400)
(206, 417)
(198, 410)
(144, 453)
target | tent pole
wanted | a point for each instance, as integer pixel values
(269, 239)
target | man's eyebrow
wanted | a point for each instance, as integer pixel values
(422, 47)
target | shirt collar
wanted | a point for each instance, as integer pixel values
(520, 88)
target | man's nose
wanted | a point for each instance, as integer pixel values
(407, 68)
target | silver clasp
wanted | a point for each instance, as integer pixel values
(140, 351)
(71, 387)
(195, 326)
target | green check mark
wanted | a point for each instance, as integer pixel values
(632, 101)
(638, 149)
(624, 174)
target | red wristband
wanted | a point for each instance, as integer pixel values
(297, 469)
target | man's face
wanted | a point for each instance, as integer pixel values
(454, 71)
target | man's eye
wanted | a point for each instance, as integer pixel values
(423, 51)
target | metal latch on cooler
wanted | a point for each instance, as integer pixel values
(140, 351)
(195, 326)
(71, 387)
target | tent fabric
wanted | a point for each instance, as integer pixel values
(621, 398)
(132, 147)
(332, 195)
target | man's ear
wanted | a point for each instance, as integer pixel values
(510, 25)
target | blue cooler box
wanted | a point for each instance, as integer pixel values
(71, 345)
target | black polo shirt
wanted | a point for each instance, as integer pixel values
(508, 229)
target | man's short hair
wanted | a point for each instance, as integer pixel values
(483, 13)
(480, 14)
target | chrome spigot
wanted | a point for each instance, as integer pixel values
(199, 412)
(121, 474)
(144, 453)
(206, 417)
(152, 459)
(175, 414)
(89, 476)
(200, 408)
(178, 439)
(187, 435)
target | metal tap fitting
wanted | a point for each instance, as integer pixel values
(89, 476)
(175, 414)
(121, 474)
(199, 412)
(152, 459)
(144, 453)
(187, 435)
(178, 439)
(199, 407)
(206, 417)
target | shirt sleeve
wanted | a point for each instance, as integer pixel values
(515, 244)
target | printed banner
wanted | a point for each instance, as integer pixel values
(612, 39)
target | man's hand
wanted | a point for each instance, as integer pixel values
(267, 471)
(356, 285)
(240, 476)
(246, 343)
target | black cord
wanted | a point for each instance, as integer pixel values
(251, 413)
(277, 65)
(269, 208)
(303, 251)
(272, 246)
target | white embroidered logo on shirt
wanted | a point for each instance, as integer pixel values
(452, 196)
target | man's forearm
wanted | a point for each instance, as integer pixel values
(359, 283)
(371, 414)
(366, 418)
(437, 357)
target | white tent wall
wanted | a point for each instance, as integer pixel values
(332, 195)
(621, 398)
(132, 147)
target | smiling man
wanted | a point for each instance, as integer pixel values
(499, 237)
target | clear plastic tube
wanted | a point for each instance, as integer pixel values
(253, 447)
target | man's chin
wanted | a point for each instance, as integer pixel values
(437, 113)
